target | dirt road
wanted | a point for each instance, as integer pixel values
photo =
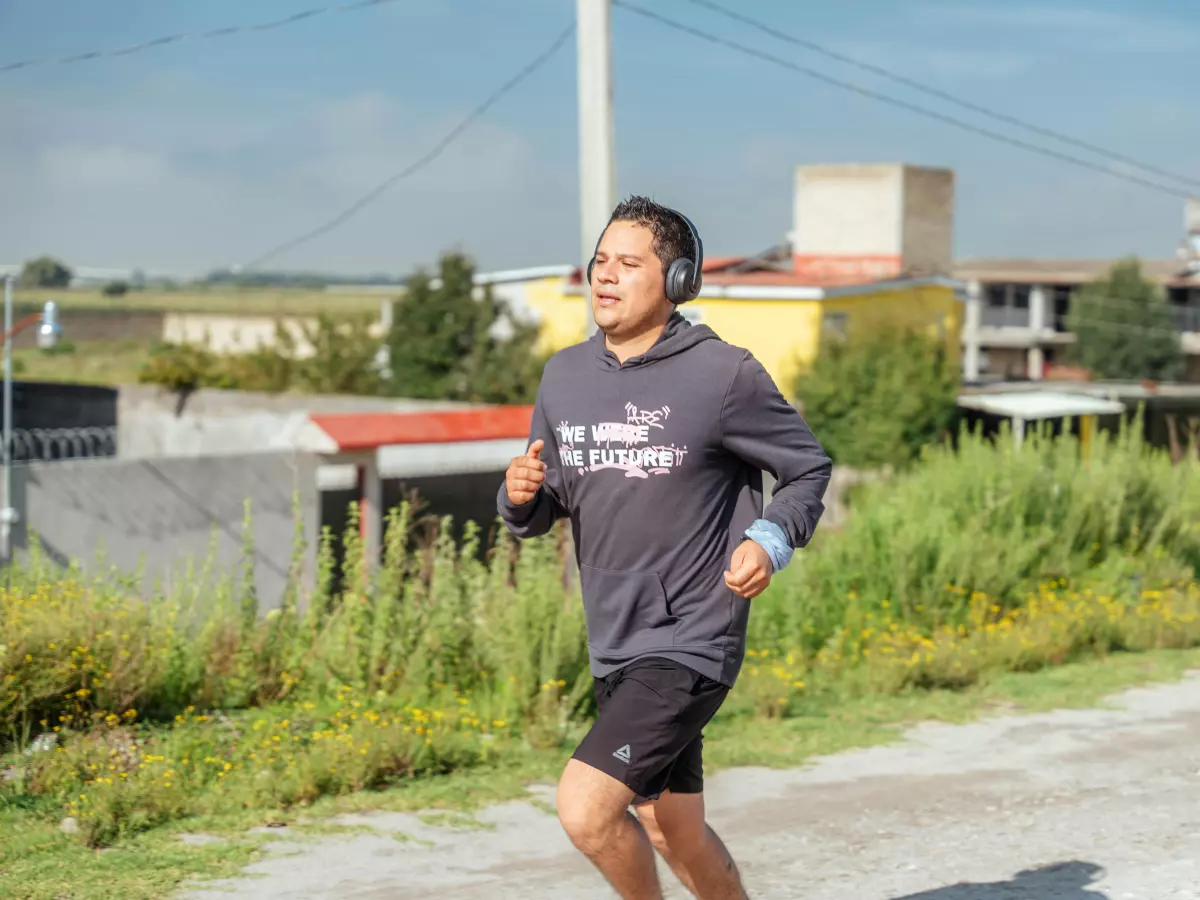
(1072, 805)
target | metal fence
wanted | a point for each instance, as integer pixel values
(48, 444)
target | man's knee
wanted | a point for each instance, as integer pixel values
(591, 806)
(646, 815)
(675, 824)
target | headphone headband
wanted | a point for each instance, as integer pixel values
(698, 260)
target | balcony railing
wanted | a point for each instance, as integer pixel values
(1003, 317)
(1187, 318)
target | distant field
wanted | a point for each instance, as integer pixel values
(262, 301)
(102, 363)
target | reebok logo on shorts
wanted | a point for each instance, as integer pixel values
(622, 753)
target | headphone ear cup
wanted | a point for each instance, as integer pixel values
(591, 266)
(679, 281)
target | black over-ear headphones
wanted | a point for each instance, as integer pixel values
(684, 276)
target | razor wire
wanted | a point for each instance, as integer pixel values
(49, 444)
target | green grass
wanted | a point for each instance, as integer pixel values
(37, 860)
(224, 299)
(99, 362)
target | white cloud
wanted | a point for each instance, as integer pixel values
(191, 186)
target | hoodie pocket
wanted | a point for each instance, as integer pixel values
(627, 613)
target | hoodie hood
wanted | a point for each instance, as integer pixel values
(678, 335)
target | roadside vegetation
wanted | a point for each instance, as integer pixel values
(125, 715)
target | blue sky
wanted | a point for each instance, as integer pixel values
(204, 154)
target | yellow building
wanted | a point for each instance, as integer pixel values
(781, 320)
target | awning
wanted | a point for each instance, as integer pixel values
(1033, 405)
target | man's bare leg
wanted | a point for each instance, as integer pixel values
(676, 827)
(594, 811)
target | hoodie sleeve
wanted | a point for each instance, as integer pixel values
(548, 505)
(763, 429)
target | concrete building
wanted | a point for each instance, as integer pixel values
(1015, 321)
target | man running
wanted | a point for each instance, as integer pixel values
(651, 437)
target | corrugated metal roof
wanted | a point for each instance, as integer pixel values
(1030, 405)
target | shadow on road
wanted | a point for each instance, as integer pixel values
(1060, 881)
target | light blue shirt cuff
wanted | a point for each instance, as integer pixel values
(771, 538)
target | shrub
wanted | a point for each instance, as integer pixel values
(342, 361)
(446, 341)
(880, 395)
(992, 518)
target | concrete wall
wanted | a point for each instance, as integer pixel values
(155, 422)
(927, 239)
(868, 222)
(158, 513)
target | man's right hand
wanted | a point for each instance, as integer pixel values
(525, 475)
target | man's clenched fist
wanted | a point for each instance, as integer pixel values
(525, 475)
(750, 570)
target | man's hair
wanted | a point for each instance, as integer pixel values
(672, 240)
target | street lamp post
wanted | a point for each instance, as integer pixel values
(48, 334)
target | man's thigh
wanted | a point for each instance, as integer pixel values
(647, 732)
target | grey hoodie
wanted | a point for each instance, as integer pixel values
(658, 464)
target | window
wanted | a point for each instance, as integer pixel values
(996, 295)
(833, 324)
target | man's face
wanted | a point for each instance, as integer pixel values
(628, 286)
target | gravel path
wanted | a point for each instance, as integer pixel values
(1073, 805)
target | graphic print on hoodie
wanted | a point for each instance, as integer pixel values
(658, 464)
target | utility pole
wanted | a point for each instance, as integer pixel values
(597, 169)
(7, 513)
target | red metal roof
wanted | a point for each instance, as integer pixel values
(368, 431)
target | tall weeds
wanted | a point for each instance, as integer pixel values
(427, 622)
(985, 558)
(996, 519)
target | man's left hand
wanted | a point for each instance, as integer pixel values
(750, 570)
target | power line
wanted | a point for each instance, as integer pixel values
(536, 63)
(901, 104)
(943, 95)
(194, 35)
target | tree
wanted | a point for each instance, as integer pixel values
(878, 396)
(451, 341)
(45, 272)
(1123, 327)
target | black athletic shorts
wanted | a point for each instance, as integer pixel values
(647, 732)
